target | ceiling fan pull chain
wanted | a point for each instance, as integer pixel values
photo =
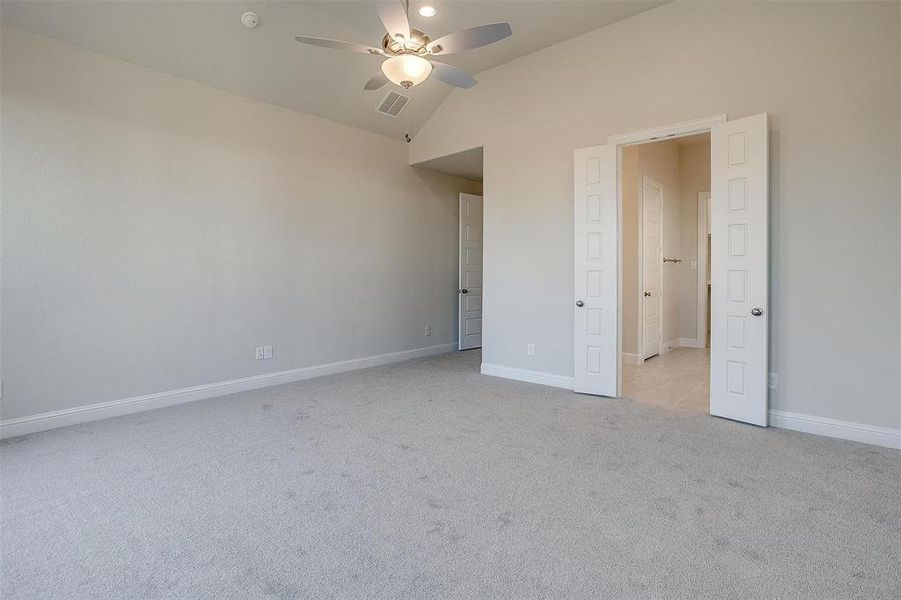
(407, 137)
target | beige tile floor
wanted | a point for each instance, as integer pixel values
(679, 379)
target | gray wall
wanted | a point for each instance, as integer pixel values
(828, 75)
(155, 231)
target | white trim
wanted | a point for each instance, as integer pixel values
(539, 377)
(690, 343)
(845, 430)
(674, 130)
(703, 231)
(632, 359)
(114, 408)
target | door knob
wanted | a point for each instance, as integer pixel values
(647, 294)
(579, 303)
(464, 291)
(756, 311)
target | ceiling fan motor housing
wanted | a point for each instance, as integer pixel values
(416, 44)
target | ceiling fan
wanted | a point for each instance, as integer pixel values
(408, 52)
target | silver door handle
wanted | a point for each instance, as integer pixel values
(756, 311)
(579, 303)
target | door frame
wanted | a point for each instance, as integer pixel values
(644, 136)
(703, 261)
(641, 312)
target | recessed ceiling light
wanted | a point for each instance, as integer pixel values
(428, 11)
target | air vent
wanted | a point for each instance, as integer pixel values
(393, 104)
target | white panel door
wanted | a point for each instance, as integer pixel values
(739, 311)
(470, 280)
(596, 335)
(652, 267)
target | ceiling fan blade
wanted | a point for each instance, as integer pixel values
(452, 75)
(394, 18)
(338, 45)
(470, 38)
(377, 81)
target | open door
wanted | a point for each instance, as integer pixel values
(739, 238)
(470, 290)
(651, 268)
(595, 335)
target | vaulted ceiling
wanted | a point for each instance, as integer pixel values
(205, 42)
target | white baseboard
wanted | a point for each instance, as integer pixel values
(631, 359)
(114, 408)
(844, 430)
(690, 343)
(539, 377)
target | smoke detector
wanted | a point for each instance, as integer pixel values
(250, 20)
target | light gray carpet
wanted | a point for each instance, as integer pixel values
(428, 480)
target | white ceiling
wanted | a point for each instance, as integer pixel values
(204, 41)
(466, 164)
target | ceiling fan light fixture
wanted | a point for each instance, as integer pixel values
(407, 70)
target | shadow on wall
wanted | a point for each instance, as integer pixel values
(468, 164)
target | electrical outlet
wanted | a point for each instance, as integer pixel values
(428, 330)
(260, 354)
(530, 349)
(772, 381)
(267, 352)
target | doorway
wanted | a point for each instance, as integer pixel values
(457, 179)
(738, 259)
(664, 360)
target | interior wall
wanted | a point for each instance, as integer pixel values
(694, 178)
(834, 195)
(155, 231)
(631, 316)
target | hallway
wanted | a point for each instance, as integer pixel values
(679, 379)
